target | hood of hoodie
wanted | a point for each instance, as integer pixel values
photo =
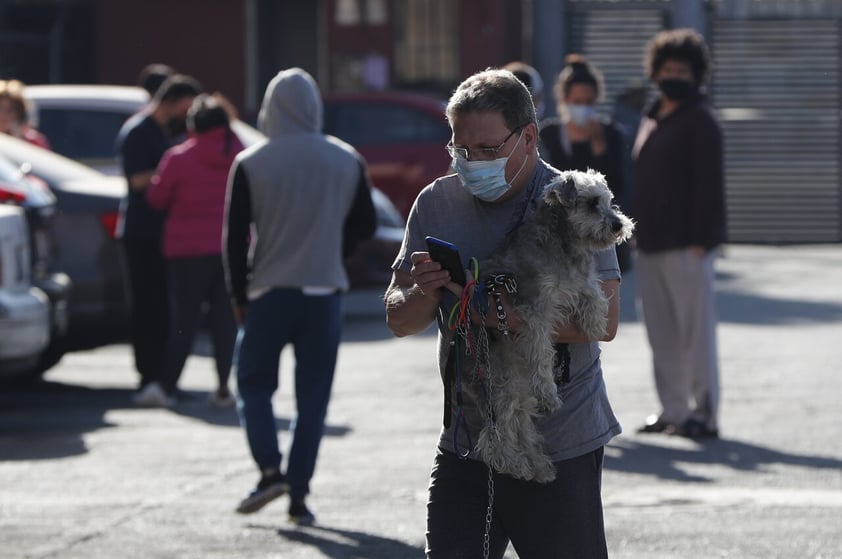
(292, 105)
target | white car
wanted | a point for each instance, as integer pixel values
(24, 309)
(82, 121)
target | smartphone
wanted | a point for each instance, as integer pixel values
(447, 255)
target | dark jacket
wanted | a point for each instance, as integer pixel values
(679, 188)
(563, 155)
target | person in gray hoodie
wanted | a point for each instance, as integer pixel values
(308, 197)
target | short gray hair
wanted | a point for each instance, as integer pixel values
(493, 90)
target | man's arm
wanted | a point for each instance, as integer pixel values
(413, 297)
(569, 333)
(134, 154)
(235, 239)
(565, 333)
(361, 221)
(159, 193)
(141, 181)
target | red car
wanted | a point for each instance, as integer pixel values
(400, 135)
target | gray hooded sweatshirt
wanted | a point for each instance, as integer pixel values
(297, 187)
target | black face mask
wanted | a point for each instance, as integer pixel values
(675, 88)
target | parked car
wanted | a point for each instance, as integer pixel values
(82, 121)
(39, 205)
(87, 250)
(400, 135)
(24, 309)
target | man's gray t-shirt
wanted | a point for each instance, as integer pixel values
(444, 209)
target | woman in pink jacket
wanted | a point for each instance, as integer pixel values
(190, 188)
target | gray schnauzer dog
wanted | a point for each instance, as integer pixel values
(552, 261)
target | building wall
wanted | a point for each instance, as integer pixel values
(490, 33)
(203, 38)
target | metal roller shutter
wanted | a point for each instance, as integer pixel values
(613, 36)
(776, 85)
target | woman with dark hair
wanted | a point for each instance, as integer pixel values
(579, 139)
(190, 188)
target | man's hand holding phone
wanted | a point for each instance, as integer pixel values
(440, 267)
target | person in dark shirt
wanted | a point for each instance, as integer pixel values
(579, 139)
(679, 205)
(144, 141)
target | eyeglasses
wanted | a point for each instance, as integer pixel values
(480, 154)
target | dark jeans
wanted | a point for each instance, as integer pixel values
(192, 283)
(312, 324)
(560, 519)
(150, 309)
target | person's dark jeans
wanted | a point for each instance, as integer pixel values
(312, 324)
(150, 309)
(557, 520)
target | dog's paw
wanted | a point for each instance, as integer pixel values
(592, 315)
(594, 327)
(548, 400)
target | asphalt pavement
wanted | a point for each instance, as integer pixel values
(83, 474)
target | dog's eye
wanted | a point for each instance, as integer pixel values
(593, 203)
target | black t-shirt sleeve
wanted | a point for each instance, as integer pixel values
(361, 221)
(235, 242)
(135, 151)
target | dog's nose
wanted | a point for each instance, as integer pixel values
(617, 225)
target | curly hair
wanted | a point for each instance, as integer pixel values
(685, 45)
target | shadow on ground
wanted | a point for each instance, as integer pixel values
(44, 420)
(649, 458)
(350, 544)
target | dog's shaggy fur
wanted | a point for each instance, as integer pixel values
(552, 259)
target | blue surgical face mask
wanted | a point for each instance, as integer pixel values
(486, 179)
(580, 114)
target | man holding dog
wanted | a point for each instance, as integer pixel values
(679, 205)
(497, 186)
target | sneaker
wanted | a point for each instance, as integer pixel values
(152, 396)
(300, 514)
(655, 424)
(695, 429)
(268, 489)
(223, 398)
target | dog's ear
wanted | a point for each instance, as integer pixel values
(566, 192)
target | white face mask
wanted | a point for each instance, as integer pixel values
(486, 179)
(580, 114)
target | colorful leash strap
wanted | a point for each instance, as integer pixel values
(460, 321)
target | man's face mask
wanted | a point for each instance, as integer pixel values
(486, 179)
